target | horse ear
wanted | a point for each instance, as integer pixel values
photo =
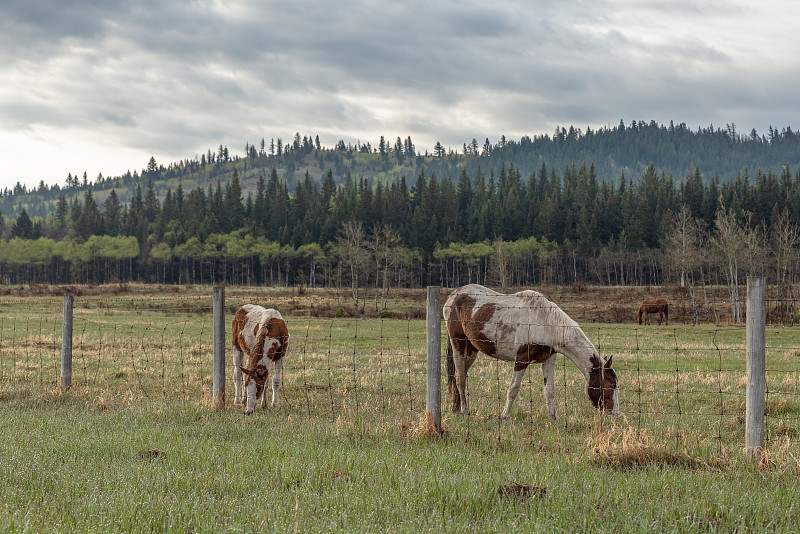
(608, 363)
(245, 370)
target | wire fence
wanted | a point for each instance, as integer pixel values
(685, 385)
(143, 350)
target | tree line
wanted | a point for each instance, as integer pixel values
(556, 226)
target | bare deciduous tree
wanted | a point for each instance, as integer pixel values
(784, 244)
(730, 243)
(500, 261)
(683, 246)
(383, 240)
(350, 247)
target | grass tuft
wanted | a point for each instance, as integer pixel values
(426, 428)
(520, 492)
(628, 447)
(779, 458)
(151, 454)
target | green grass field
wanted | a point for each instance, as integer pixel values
(135, 444)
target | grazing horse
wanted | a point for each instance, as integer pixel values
(262, 335)
(523, 328)
(659, 306)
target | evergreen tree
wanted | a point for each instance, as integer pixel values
(62, 210)
(464, 198)
(234, 209)
(151, 205)
(23, 227)
(259, 216)
(112, 212)
(90, 220)
(75, 211)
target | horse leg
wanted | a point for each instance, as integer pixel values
(548, 373)
(238, 377)
(461, 355)
(452, 389)
(460, 392)
(276, 383)
(463, 361)
(513, 388)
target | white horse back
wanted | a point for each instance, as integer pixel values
(521, 318)
(257, 317)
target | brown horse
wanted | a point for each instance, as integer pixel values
(659, 306)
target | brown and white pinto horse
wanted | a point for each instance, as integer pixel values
(523, 328)
(262, 335)
(659, 306)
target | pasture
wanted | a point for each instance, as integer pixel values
(135, 445)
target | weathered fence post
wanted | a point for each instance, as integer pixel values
(433, 406)
(218, 388)
(66, 343)
(756, 368)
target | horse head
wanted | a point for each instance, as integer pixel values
(602, 386)
(254, 385)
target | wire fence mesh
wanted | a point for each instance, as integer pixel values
(683, 384)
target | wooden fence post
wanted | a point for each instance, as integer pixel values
(756, 368)
(433, 406)
(218, 388)
(66, 342)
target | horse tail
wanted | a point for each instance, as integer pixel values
(640, 314)
(666, 312)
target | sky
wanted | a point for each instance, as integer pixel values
(100, 86)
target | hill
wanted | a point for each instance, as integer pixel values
(612, 151)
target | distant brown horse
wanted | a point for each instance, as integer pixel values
(659, 306)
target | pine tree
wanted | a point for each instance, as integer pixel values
(112, 211)
(62, 210)
(151, 205)
(233, 204)
(23, 227)
(90, 220)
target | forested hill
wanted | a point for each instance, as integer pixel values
(577, 207)
(675, 150)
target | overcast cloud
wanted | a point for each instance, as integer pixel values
(99, 85)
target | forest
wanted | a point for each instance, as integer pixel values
(355, 216)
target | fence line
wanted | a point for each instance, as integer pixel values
(685, 383)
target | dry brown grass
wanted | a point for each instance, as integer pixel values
(426, 428)
(612, 445)
(779, 458)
